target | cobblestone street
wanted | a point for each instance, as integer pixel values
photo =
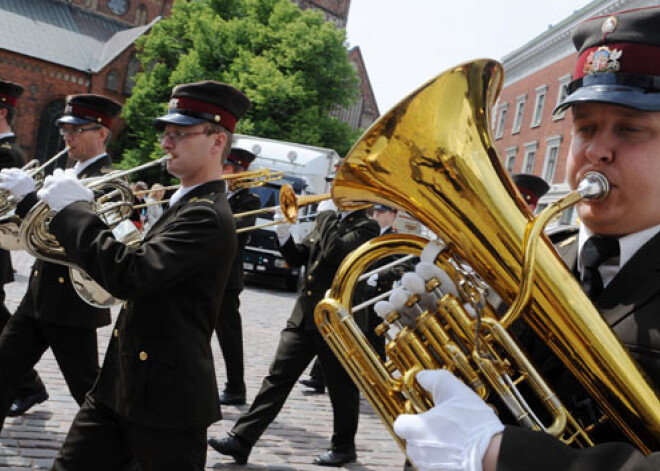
(302, 429)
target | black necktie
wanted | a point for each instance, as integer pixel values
(596, 251)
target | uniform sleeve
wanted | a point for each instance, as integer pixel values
(523, 449)
(336, 246)
(296, 255)
(176, 252)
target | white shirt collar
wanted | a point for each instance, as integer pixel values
(628, 246)
(80, 166)
(180, 193)
(383, 229)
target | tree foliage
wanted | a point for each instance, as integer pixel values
(292, 64)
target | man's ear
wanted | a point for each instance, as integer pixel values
(220, 141)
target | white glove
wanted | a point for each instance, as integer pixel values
(373, 280)
(327, 205)
(17, 182)
(63, 188)
(283, 230)
(453, 435)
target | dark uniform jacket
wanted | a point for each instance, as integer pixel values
(158, 370)
(11, 155)
(50, 297)
(631, 306)
(241, 201)
(323, 250)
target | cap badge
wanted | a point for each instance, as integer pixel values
(174, 103)
(609, 25)
(68, 109)
(602, 60)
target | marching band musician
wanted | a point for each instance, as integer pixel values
(334, 236)
(51, 314)
(229, 328)
(31, 390)
(615, 105)
(157, 393)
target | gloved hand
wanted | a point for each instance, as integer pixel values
(373, 280)
(283, 230)
(455, 433)
(63, 188)
(17, 182)
(327, 205)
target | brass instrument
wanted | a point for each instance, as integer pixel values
(290, 204)
(433, 157)
(38, 242)
(237, 181)
(9, 220)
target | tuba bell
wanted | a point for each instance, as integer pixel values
(432, 156)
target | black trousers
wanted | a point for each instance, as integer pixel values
(24, 340)
(31, 383)
(229, 329)
(100, 440)
(295, 351)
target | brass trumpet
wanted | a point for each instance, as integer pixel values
(9, 221)
(290, 203)
(38, 242)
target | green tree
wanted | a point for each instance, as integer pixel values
(292, 64)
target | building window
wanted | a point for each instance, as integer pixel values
(530, 157)
(141, 15)
(520, 108)
(131, 70)
(118, 7)
(511, 153)
(112, 81)
(563, 93)
(551, 155)
(538, 106)
(500, 122)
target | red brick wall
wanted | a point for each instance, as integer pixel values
(548, 128)
(154, 8)
(45, 82)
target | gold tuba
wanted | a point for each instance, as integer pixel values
(432, 156)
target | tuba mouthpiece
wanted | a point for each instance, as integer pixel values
(594, 186)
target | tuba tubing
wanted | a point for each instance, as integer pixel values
(433, 157)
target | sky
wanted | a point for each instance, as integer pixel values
(406, 43)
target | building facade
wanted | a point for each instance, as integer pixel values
(528, 136)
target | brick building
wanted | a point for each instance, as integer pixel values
(56, 48)
(528, 137)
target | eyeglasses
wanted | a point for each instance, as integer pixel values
(77, 132)
(178, 136)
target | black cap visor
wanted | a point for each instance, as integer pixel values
(73, 120)
(632, 91)
(177, 119)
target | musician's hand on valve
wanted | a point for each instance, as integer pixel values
(16, 181)
(283, 229)
(456, 433)
(327, 205)
(63, 188)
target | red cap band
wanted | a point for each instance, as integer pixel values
(90, 114)
(219, 115)
(629, 58)
(10, 100)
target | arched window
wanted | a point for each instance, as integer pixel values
(112, 81)
(141, 15)
(49, 141)
(131, 70)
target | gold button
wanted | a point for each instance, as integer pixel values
(115, 332)
(60, 279)
(310, 277)
(309, 293)
(143, 356)
(125, 304)
(36, 272)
